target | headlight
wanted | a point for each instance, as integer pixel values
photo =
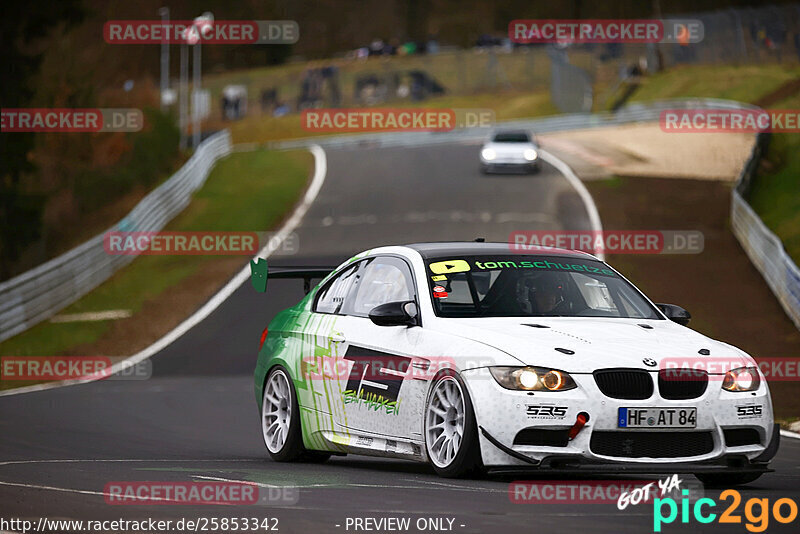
(741, 379)
(532, 378)
(488, 154)
(530, 154)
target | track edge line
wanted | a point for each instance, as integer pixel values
(583, 192)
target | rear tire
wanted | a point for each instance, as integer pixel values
(727, 480)
(451, 434)
(280, 418)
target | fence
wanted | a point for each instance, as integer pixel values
(570, 86)
(768, 33)
(38, 294)
(578, 77)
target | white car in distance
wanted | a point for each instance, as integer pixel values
(510, 151)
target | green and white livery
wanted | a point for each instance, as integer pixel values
(472, 357)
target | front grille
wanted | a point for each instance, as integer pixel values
(682, 384)
(542, 438)
(736, 437)
(651, 444)
(511, 165)
(630, 384)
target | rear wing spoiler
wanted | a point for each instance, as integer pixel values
(259, 272)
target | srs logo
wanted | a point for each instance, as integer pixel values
(749, 411)
(546, 411)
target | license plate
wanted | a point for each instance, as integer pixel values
(657, 418)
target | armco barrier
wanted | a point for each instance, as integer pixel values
(763, 247)
(632, 113)
(38, 294)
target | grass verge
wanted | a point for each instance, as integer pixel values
(775, 193)
(247, 191)
(746, 83)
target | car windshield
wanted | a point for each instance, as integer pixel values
(511, 137)
(532, 286)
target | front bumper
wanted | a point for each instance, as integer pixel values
(510, 165)
(576, 465)
(506, 426)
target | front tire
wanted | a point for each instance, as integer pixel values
(451, 434)
(727, 480)
(280, 418)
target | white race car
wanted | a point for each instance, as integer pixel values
(510, 150)
(470, 356)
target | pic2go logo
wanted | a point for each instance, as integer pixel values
(757, 521)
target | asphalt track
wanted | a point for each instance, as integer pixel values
(196, 418)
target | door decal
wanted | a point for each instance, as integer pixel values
(375, 379)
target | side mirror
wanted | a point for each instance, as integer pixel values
(675, 313)
(395, 314)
